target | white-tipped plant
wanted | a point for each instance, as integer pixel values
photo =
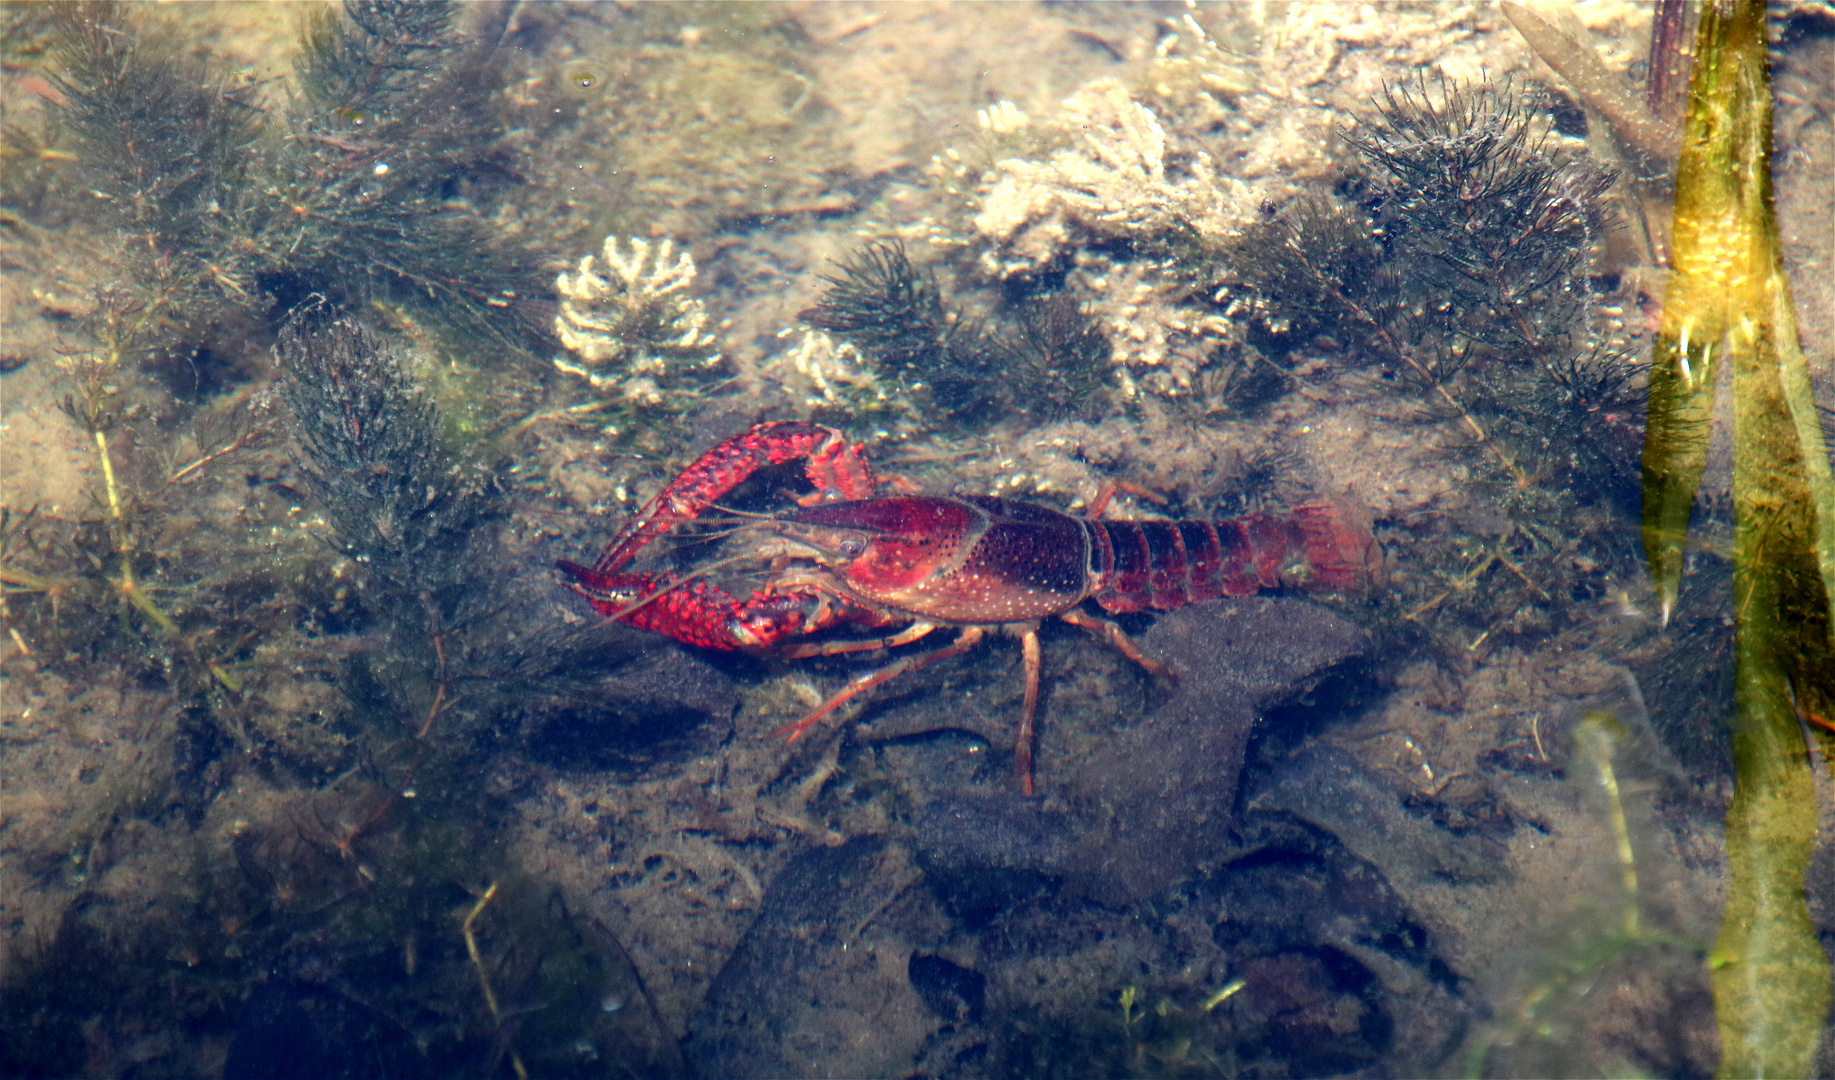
(630, 324)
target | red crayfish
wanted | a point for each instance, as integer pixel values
(973, 563)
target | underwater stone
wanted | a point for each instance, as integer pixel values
(663, 704)
(1156, 801)
(809, 975)
(1163, 792)
(1328, 788)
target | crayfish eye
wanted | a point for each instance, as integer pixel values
(852, 546)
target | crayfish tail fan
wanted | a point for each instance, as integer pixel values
(1338, 551)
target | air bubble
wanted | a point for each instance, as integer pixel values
(583, 77)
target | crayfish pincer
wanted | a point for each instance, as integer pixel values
(906, 565)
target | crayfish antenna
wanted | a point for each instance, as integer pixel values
(739, 513)
(597, 587)
(699, 574)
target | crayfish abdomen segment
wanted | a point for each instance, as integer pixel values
(1167, 564)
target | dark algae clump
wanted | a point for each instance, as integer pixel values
(396, 165)
(372, 444)
(1056, 357)
(410, 515)
(1454, 263)
(281, 588)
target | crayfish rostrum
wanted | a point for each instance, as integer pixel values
(910, 564)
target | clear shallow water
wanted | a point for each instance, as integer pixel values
(386, 799)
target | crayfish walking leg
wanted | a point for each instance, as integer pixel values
(966, 640)
(860, 684)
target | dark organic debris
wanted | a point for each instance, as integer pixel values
(952, 991)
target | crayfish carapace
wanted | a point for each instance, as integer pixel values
(923, 562)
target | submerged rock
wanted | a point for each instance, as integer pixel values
(1326, 787)
(829, 959)
(665, 703)
(1155, 802)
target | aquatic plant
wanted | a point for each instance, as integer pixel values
(895, 314)
(1160, 1039)
(836, 383)
(1615, 769)
(1494, 222)
(1556, 41)
(218, 213)
(417, 520)
(144, 575)
(393, 166)
(368, 188)
(210, 207)
(1122, 179)
(370, 437)
(636, 332)
(1042, 354)
(1729, 302)
(1056, 359)
(1466, 278)
(1454, 269)
(165, 142)
(412, 516)
(373, 183)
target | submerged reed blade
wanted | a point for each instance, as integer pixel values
(1729, 302)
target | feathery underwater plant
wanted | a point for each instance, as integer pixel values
(636, 332)
(151, 575)
(895, 314)
(1052, 362)
(1056, 359)
(1464, 272)
(372, 184)
(1457, 268)
(419, 521)
(409, 513)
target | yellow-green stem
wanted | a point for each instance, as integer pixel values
(1729, 303)
(124, 548)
